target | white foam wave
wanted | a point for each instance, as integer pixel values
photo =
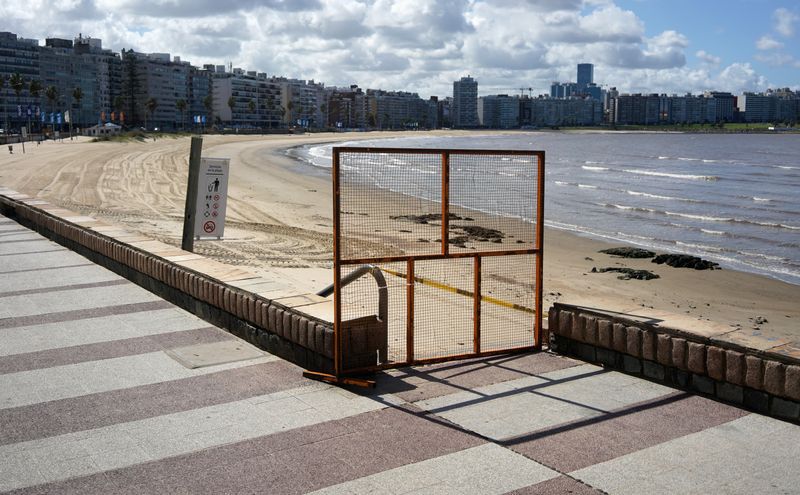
(700, 217)
(713, 232)
(596, 169)
(674, 176)
(663, 158)
(788, 168)
(655, 196)
(766, 200)
(586, 186)
(562, 183)
(703, 247)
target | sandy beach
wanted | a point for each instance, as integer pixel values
(280, 222)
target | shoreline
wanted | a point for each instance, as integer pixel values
(279, 223)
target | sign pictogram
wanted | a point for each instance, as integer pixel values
(213, 197)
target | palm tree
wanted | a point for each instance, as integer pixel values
(289, 107)
(231, 104)
(181, 106)
(118, 105)
(77, 96)
(150, 105)
(34, 88)
(208, 104)
(5, 109)
(251, 105)
(17, 83)
(52, 96)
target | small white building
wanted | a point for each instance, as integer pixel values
(107, 129)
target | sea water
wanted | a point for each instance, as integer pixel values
(734, 199)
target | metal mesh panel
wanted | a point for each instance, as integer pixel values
(508, 302)
(390, 215)
(361, 299)
(443, 307)
(390, 204)
(504, 185)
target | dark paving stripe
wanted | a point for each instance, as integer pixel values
(108, 350)
(293, 462)
(108, 283)
(120, 406)
(47, 268)
(557, 486)
(586, 442)
(414, 384)
(34, 252)
(42, 240)
(82, 314)
(14, 232)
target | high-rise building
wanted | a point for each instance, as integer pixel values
(499, 111)
(585, 76)
(465, 103)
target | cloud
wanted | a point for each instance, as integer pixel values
(707, 58)
(768, 43)
(412, 45)
(784, 21)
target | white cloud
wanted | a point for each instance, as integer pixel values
(411, 45)
(784, 21)
(766, 42)
(708, 58)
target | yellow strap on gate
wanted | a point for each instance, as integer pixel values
(466, 293)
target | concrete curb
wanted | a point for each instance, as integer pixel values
(761, 381)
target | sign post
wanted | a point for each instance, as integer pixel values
(24, 137)
(187, 243)
(212, 198)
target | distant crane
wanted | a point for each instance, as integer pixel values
(522, 92)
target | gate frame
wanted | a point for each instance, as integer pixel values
(338, 262)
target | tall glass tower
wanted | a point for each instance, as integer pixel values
(585, 75)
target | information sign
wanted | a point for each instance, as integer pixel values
(212, 197)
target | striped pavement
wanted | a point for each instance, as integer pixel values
(93, 400)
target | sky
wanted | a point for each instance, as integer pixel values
(422, 46)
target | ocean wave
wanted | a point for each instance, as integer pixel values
(586, 186)
(595, 169)
(713, 232)
(629, 208)
(656, 196)
(702, 247)
(562, 183)
(674, 176)
(786, 167)
(589, 162)
(663, 158)
(756, 198)
(733, 220)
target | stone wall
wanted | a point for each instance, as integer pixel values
(286, 332)
(763, 382)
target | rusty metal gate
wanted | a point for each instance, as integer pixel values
(453, 240)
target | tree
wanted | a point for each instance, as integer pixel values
(208, 104)
(231, 104)
(77, 96)
(181, 106)
(289, 108)
(52, 96)
(17, 83)
(2, 85)
(150, 106)
(251, 106)
(118, 104)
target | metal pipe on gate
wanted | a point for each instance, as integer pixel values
(383, 295)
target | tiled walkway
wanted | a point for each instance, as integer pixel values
(92, 401)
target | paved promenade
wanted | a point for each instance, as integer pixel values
(105, 388)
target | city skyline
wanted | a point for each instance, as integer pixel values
(635, 45)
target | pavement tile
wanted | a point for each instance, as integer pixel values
(111, 349)
(752, 454)
(582, 443)
(97, 410)
(557, 486)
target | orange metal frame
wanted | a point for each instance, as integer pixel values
(338, 262)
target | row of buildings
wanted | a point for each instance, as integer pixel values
(39, 84)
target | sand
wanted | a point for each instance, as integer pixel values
(279, 224)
